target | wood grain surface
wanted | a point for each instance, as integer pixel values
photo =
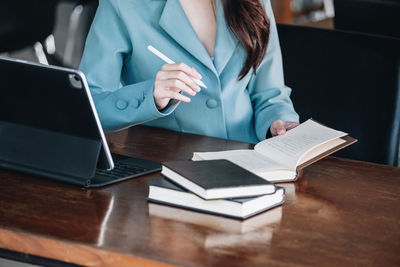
(340, 212)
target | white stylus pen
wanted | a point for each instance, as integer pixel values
(170, 61)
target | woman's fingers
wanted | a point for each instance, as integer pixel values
(182, 67)
(177, 85)
(178, 96)
(279, 127)
(172, 94)
(173, 79)
(290, 125)
(171, 89)
(180, 76)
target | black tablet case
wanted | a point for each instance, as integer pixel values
(46, 124)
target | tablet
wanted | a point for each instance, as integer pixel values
(49, 126)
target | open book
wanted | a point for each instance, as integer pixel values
(278, 159)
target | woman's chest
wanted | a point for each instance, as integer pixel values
(202, 16)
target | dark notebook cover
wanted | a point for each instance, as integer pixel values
(165, 183)
(216, 174)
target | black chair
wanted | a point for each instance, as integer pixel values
(370, 16)
(26, 23)
(348, 81)
(79, 24)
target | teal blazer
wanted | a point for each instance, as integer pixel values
(121, 72)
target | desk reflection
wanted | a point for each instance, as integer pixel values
(307, 215)
(65, 212)
(309, 202)
(208, 231)
(169, 225)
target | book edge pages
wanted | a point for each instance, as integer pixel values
(227, 215)
(183, 181)
(258, 147)
(348, 141)
(232, 209)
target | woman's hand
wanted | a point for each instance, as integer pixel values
(173, 79)
(279, 127)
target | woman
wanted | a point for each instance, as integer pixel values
(231, 45)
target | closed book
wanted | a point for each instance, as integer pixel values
(216, 179)
(166, 192)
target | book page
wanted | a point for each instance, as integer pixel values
(316, 151)
(289, 148)
(245, 158)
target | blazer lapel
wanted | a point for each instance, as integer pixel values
(174, 21)
(225, 43)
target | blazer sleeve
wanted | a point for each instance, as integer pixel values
(269, 95)
(107, 46)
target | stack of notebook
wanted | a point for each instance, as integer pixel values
(215, 186)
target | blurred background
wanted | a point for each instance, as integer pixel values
(55, 31)
(317, 13)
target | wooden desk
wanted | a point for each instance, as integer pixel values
(341, 212)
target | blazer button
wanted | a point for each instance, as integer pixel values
(212, 103)
(121, 104)
(134, 103)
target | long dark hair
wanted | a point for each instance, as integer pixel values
(249, 22)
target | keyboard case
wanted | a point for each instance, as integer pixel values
(47, 126)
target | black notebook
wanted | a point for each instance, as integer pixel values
(166, 192)
(216, 179)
